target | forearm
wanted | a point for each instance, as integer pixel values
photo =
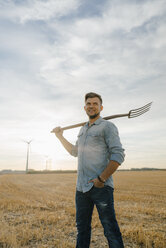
(109, 170)
(66, 144)
(59, 134)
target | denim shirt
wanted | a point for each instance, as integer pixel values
(96, 146)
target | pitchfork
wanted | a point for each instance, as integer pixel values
(132, 114)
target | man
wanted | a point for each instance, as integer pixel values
(100, 153)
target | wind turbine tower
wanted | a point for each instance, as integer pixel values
(28, 146)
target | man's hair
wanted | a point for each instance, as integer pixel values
(92, 95)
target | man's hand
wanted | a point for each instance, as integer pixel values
(58, 132)
(97, 183)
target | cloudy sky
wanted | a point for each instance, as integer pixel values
(52, 52)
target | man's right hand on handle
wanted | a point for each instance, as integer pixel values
(58, 132)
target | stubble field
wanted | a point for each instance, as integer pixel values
(39, 210)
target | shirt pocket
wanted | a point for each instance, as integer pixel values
(80, 134)
(95, 139)
(79, 137)
(95, 135)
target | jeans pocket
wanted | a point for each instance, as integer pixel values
(98, 187)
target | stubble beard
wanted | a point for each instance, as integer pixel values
(94, 116)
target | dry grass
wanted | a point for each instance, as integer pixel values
(39, 210)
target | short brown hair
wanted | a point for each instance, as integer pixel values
(92, 95)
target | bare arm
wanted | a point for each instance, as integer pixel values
(109, 170)
(59, 134)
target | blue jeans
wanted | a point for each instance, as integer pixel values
(103, 199)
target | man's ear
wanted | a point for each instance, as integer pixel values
(85, 108)
(101, 108)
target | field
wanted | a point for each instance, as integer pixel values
(39, 210)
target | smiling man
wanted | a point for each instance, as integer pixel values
(100, 153)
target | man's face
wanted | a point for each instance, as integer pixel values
(93, 107)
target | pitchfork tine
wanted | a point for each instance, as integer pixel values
(137, 112)
(144, 107)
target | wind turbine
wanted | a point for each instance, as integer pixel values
(28, 143)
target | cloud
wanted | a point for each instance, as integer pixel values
(126, 15)
(38, 10)
(53, 52)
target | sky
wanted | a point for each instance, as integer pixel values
(53, 52)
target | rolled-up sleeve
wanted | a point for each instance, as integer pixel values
(116, 151)
(74, 151)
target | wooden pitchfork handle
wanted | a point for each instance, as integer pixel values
(131, 114)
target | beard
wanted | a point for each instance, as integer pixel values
(94, 116)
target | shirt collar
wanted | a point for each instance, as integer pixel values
(97, 122)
